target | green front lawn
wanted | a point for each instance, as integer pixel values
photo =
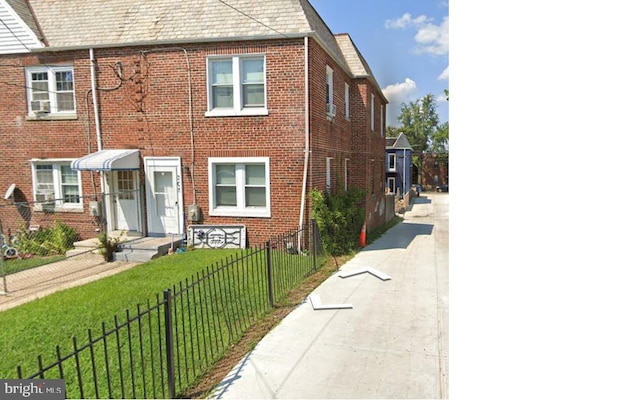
(37, 327)
(11, 266)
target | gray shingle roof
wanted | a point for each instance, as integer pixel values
(399, 142)
(98, 23)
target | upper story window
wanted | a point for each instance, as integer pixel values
(56, 184)
(237, 85)
(373, 112)
(346, 101)
(331, 108)
(391, 162)
(239, 186)
(382, 120)
(50, 90)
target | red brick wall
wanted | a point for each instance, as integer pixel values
(149, 110)
(434, 165)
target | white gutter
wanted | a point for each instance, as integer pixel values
(94, 94)
(306, 129)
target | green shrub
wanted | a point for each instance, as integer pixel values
(340, 218)
(46, 241)
(107, 245)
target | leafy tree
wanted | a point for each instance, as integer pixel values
(419, 122)
(392, 131)
(441, 138)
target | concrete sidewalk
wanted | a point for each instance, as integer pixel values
(26, 286)
(392, 343)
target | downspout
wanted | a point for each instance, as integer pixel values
(306, 131)
(94, 94)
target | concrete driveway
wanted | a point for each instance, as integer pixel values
(391, 343)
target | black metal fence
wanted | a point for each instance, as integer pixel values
(167, 344)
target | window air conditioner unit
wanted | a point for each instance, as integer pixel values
(331, 109)
(41, 106)
(49, 198)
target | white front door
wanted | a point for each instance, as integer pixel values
(125, 199)
(164, 196)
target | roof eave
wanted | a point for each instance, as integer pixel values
(145, 43)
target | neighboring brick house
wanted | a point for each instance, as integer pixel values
(158, 115)
(399, 164)
(435, 170)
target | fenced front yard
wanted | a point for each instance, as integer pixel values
(166, 343)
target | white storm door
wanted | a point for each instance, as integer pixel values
(126, 200)
(164, 196)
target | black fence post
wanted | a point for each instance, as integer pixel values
(168, 332)
(270, 274)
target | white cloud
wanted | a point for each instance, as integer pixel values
(431, 38)
(444, 76)
(398, 93)
(405, 21)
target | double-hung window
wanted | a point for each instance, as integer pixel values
(50, 90)
(237, 85)
(373, 112)
(346, 101)
(391, 162)
(55, 183)
(331, 108)
(239, 186)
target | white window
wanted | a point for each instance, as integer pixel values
(239, 186)
(237, 85)
(54, 182)
(382, 120)
(346, 101)
(373, 112)
(328, 172)
(50, 90)
(331, 108)
(391, 184)
(391, 162)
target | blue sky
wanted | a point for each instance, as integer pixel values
(405, 42)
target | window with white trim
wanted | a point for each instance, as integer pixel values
(237, 85)
(391, 184)
(239, 186)
(391, 162)
(50, 90)
(331, 108)
(382, 120)
(54, 182)
(373, 112)
(328, 173)
(346, 101)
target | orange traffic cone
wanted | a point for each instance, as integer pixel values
(363, 235)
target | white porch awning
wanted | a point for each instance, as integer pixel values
(108, 160)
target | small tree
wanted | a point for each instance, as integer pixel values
(340, 218)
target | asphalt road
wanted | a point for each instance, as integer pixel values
(380, 338)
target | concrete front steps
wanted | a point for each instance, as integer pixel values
(132, 248)
(146, 248)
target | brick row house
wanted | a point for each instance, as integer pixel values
(156, 116)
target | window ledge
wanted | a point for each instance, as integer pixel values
(233, 113)
(240, 213)
(51, 117)
(45, 208)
